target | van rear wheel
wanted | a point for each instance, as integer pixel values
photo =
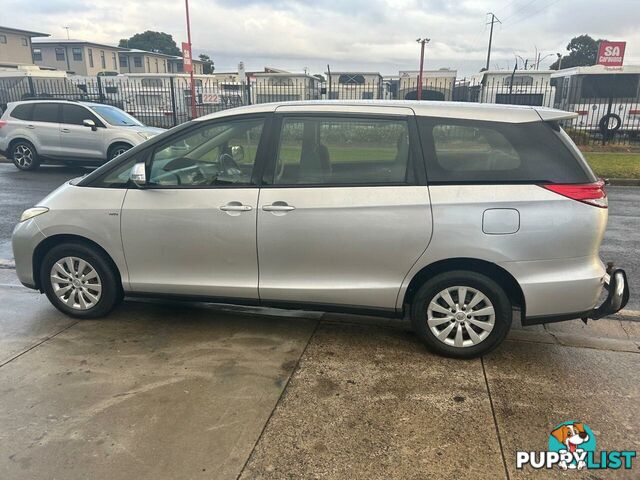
(461, 314)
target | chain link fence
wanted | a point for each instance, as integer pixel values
(607, 105)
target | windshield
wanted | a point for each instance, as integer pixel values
(117, 117)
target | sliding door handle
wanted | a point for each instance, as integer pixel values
(278, 207)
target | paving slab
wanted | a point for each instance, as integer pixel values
(534, 387)
(26, 319)
(370, 402)
(153, 391)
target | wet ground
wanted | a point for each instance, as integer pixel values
(184, 391)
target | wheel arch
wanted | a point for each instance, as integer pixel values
(494, 271)
(115, 143)
(49, 242)
(15, 140)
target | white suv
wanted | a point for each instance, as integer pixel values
(57, 131)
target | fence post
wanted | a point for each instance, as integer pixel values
(32, 90)
(100, 92)
(172, 91)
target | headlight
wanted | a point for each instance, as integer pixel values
(146, 135)
(32, 212)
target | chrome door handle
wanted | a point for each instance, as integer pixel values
(278, 208)
(231, 207)
(30, 126)
(65, 130)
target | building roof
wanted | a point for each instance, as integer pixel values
(595, 69)
(352, 72)
(24, 32)
(464, 110)
(72, 41)
(147, 52)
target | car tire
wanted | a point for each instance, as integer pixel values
(24, 155)
(80, 281)
(465, 330)
(117, 149)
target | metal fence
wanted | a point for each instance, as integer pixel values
(608, 110)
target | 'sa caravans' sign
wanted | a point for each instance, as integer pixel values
(611, 54)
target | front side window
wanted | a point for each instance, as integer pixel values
(123, 61)
(75, 115)
(60, 54)
(77, 54)
(45, 112)
(137, 62)
(341, 151)
(221, 154)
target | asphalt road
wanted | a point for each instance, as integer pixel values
(21, 190)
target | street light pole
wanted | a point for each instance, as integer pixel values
(422, 42)
(194, 113)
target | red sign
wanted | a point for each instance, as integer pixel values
(186, 58)
(611, 54)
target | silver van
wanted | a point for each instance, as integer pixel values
(459, 216)
(62, 131)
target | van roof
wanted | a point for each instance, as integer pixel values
(461, 110)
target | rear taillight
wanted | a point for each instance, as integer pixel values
(589, 193)
(583, 112)
(2, 123)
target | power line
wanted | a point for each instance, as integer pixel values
(533, 14)
(521, 9)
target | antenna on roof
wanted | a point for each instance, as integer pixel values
(67, 29)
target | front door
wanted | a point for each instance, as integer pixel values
(77, 140)
(192, 231)
(345, 212)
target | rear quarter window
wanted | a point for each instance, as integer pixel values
(22, 112)
(467, 151)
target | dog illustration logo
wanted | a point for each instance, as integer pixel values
(575, 438)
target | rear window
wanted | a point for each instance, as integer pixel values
(22, 112)
(465, 151)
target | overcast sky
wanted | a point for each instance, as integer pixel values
(365, 35)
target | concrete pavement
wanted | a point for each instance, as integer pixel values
(183, 391)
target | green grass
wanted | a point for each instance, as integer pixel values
(614, 165)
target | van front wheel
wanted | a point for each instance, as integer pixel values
(461, 314)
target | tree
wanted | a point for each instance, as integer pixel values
(208, 66)
(583, 51)
(159, 42)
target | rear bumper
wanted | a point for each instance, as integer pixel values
(617, 287)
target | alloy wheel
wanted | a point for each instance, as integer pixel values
(460, 316)
(117, 152)
(23, 156)
(76, 283)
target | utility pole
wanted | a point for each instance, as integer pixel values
(422, 42)
(67, 29)
(194, 112)
(494, 19)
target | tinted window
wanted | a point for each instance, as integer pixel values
(463, 151)
(23, 112)
(610, 85)
(219, 154)
(331, 151)
(75, 115)
(45, 112)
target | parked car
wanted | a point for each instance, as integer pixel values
(459, 216)
(58, 131)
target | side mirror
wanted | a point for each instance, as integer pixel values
(237, 152)
(138, 175)
(90, 123)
